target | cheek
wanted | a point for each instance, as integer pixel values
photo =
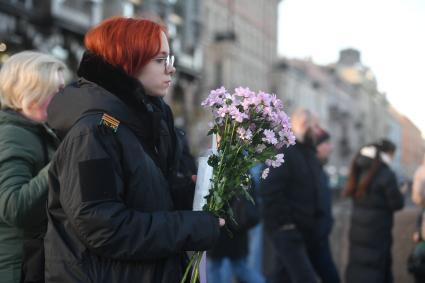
(149, 79)
(145, 77)
(154, 86)
(46, 103)
(151, 85)
(43, 108)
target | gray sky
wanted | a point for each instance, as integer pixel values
(389, 33)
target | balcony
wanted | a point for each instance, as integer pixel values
(79, 15)
(35, 12)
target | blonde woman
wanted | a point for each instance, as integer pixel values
(28, 81)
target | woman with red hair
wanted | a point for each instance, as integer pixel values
(118, 211)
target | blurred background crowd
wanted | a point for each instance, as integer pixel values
(235, 43)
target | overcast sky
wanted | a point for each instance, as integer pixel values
(390, 35)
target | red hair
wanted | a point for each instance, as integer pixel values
(125, 42)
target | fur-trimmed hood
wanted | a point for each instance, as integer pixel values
(128, 89)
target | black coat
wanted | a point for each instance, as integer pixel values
(371, 228)
(233, 242)
(111, 206)
(290, 193)
(326, 221)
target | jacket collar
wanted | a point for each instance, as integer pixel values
(150, 110)
(105, 88)
(12, 117)
(128, 89)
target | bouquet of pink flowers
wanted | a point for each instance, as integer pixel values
(251, 128)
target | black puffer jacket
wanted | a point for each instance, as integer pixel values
(290, 193)
(371, 227)
(111, 207)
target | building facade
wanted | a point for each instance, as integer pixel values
(412, 147)
(345, 100)
(239, 46)
(215, 42)
(58, 27)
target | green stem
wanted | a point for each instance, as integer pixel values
(223, 142)
(228, 144)
(216, 175)
(192, 258)
(233, 132)
(236, 155)
(195, 273)
(257, 131)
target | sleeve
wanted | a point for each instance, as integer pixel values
(394, 197)
(245, 213)
(183, 187)
(91, 192)
(183, 192)
(276, 207)
(23, 191)
(419, 223)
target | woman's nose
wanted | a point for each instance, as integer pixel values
(171, 70)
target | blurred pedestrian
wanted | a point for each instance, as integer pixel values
(28, 81)
(418, 186)
(255, 234)
(291, 205)
(320, 255)
(372, 185)
(416, 261)
(112, 212)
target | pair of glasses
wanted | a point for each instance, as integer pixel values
(168, 61)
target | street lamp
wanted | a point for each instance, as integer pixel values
(3, 47)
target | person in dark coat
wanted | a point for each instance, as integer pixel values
(292, 207)
(112, 207)
(372, 185)
(28, 81)
(320, 255)
(416, 260)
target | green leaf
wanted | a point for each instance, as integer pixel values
(211, 131)
(213, 160)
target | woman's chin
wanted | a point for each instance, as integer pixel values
(157, 93)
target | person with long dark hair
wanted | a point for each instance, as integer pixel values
(372, 185)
